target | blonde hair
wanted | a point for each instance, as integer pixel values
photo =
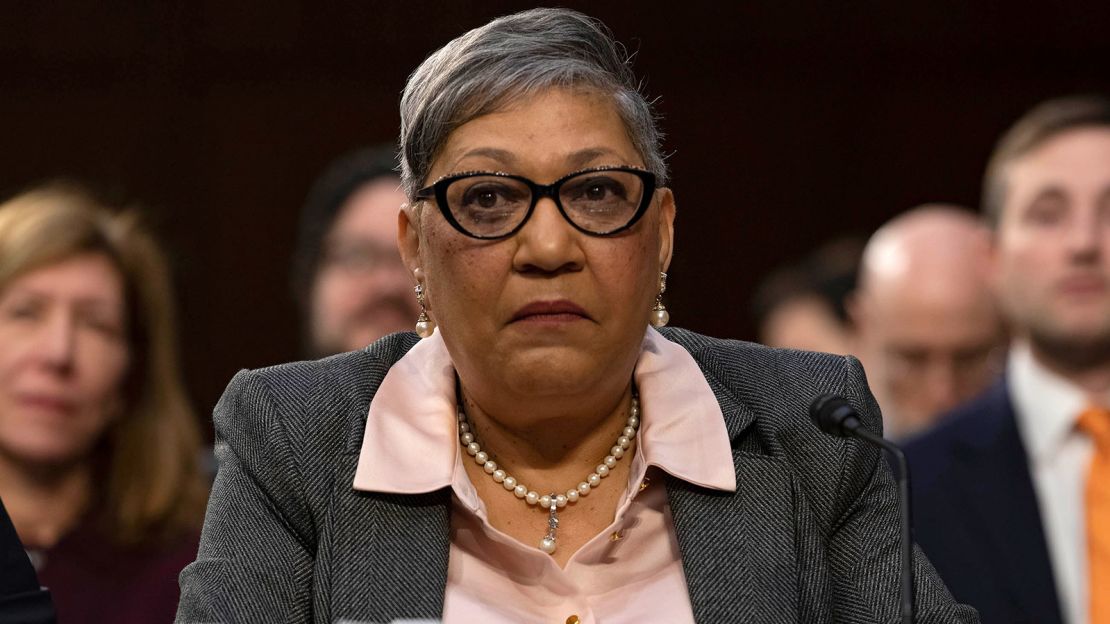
(152, 485)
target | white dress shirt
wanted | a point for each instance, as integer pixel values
(1047, 409)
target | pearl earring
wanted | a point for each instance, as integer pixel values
(424, 325)
(659, 314)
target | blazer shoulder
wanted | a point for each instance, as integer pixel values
(778, 382)
(739, 359)
(765, 395)
(337, 372)
(308, 400)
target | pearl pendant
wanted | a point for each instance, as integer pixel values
(424, 326)
(659, 316)
(547, 544)
(554, 501)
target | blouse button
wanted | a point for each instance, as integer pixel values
(574, 619)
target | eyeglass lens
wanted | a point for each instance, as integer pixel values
(596, 201)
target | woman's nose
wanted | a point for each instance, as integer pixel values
(57, 342)
(548, 242)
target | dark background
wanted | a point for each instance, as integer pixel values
(788, 124)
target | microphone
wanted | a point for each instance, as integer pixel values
(835, 416)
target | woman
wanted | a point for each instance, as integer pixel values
(98, 447)
(542, 455)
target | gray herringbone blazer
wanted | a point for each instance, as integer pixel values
(811, 534)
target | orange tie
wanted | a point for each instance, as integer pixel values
(1096, 422)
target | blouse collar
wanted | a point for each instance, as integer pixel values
(410, 443)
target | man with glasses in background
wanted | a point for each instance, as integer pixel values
(348, 279)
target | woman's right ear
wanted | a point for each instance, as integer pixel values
(408, 235)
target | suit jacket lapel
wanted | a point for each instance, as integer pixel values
(1004, 504)
(737, 548)
(397, 545)
(386, 554)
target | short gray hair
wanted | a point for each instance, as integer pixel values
(513, 57)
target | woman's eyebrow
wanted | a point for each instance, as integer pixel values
(577, 159)
(498, 154)
(584, 157)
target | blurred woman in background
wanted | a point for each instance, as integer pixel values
(99, 448)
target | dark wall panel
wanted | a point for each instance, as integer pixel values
(788, 123)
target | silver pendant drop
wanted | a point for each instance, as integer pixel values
(547, 544)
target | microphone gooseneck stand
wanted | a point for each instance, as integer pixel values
(835, 416)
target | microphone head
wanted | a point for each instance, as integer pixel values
(833, 415)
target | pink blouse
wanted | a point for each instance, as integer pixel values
(630, 572)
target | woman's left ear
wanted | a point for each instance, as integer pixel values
(408, 236)
(666, 227)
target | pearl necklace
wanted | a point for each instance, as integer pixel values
(551, 502)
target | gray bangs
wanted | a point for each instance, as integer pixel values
(512, 58)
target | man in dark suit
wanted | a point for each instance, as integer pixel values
(1011, 490)
(348, 280)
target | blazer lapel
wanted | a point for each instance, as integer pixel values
(390, 553)
(737, 548)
